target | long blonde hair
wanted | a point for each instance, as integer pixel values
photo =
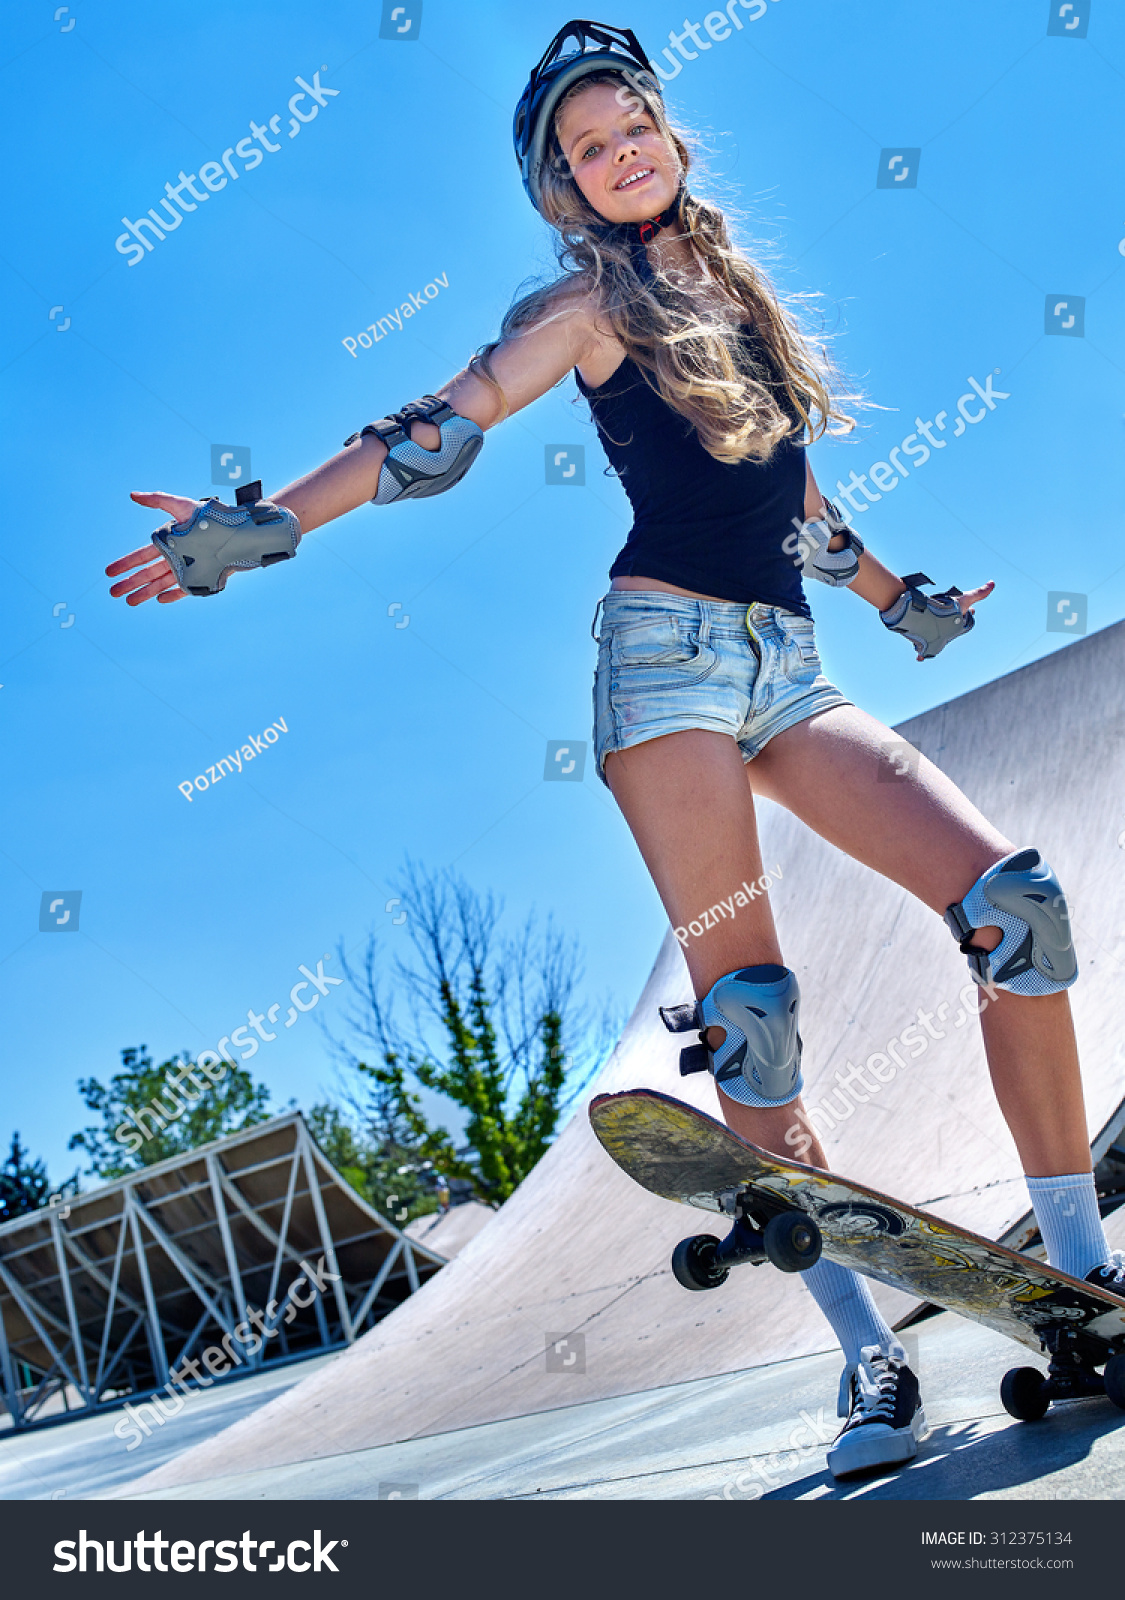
(688, 349)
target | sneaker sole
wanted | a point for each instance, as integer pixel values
(884, 1450)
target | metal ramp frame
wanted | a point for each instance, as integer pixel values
(104, 1297)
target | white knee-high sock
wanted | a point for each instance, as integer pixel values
(846, 1301)
(1066, 1210)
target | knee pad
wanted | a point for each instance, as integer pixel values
(1022, 896)
(759, 1061)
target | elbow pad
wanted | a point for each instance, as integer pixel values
(409, 472)
(809, 546)
(929, 621)
(217, 540)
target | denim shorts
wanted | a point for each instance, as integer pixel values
(667, 663)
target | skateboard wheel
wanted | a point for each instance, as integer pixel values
(1115, 1380)
(792, 1241)
(1023, 1394)
(694, 1265)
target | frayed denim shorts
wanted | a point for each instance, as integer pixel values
(667, 663)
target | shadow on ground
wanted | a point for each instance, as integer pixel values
(975, 1460)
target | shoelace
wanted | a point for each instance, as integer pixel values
(1114, 1272)
(876, 1392)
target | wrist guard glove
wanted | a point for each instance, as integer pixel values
(411, 473)
(929, 621)
(809, 546)
(217, 540)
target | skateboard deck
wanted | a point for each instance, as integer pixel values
(682, 1154)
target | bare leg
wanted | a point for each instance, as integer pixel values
(691, 811)
(686, 798)
(923, 833)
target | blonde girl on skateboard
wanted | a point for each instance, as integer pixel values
(708, 692)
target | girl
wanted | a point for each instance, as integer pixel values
(708, 690)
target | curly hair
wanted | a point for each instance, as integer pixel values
(690, 345)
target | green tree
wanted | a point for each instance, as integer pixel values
(377, 1154)
(507, 1036)
(148, 1113)
(24, 1184)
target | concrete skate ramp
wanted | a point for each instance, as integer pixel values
(580, 1251)
(449, 1234)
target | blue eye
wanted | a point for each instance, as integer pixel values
(638, 127)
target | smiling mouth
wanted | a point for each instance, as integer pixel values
(635, 178)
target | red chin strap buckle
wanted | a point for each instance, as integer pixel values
(647, 231)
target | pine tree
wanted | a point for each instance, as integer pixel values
(24, 1184)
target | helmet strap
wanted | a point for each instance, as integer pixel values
(641, 234)
(647, 231)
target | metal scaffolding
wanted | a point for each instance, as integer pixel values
(248, 1251)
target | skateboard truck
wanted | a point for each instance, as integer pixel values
(783, 1235)
(1026, 1393)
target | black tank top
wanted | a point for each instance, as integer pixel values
(697, 522)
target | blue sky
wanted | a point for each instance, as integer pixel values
(428, 738)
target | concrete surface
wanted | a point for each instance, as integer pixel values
(83, 1457)
(449, 1234)
(740, 1437)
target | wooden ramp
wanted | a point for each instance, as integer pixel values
(579, 1252)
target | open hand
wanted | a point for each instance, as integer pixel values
(968, 601)
(155, 578)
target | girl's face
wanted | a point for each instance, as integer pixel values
(618, 157)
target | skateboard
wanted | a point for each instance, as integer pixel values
(787, 1213)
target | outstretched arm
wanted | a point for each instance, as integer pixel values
(524, 366)
(874, 582)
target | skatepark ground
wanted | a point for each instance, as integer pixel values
(739, 1437)
(757, 1434)
(729, 1394)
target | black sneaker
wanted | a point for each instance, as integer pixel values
(1111, 1275)
(885, 1416)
